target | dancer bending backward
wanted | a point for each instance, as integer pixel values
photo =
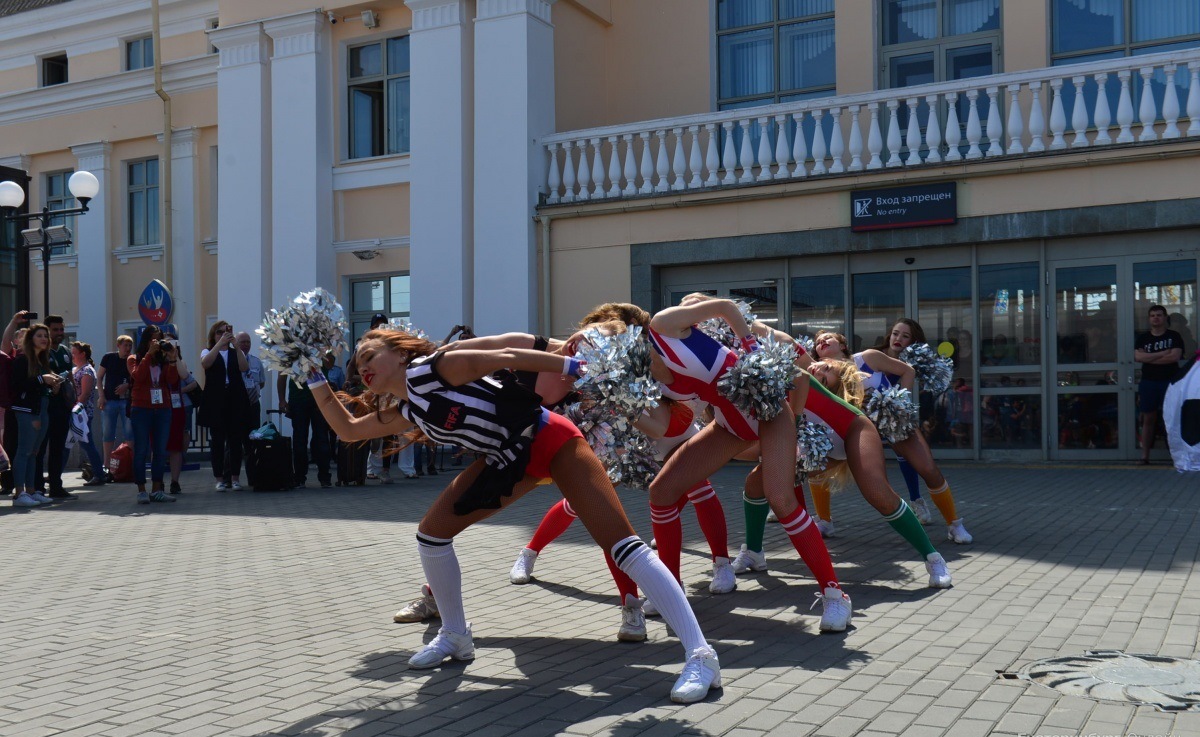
(856, 442)
(689, 364)
(454, 398)
(882, 370)
(669, 425)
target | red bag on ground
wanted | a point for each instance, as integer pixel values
(120, 463)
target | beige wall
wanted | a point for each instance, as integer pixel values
(857, 37)
(1026, 28)
(378, 212)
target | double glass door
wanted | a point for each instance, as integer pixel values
(1100, 306)
(761, 294)
(939, 299)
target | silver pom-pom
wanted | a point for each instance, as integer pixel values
(296, 338)
(812, 448)
(759, 382)
(893, 412)
(720, 331)
(399, 323)
(806, 344)
(617, 378)
(933, 371)
(635, 463)
(627, 454)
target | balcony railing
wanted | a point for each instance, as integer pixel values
(981, 118)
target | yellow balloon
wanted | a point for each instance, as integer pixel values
(945, 349)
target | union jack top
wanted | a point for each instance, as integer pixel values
(696, 363)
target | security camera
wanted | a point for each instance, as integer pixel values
(333, 19)
(910, 260)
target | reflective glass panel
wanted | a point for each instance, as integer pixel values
(738, 13)
(366, 61)
(1010, 421)
(400, 294)
(1005, 379)
(366, 120)
(1155, 19)
(910, 70)
(1009, 314)
(971, 16)
(1088, 24)
(1085, 303)
(764, 302)
(806, 55)
(399, 115)
(878, 303)
(818, 303)
(1171, 284)
(367, 296)
(789, 9)
(944, 312)
(747, 62)
(910, 20)
(1087, 421)
(397, 51)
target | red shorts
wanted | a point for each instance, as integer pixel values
(175, 438)
(554, 433)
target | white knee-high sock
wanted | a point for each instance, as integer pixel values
(641, 564)
(440, 564)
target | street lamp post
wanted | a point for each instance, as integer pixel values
(83, 185)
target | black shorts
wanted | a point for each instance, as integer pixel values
(1151, 395)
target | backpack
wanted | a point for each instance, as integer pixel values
(120, 463)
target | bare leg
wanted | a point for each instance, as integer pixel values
(916, 451)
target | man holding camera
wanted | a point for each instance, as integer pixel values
(52, 455)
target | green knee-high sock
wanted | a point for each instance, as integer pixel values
(756, 521)
(906, 523)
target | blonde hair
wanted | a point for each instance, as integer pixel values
(850, 388)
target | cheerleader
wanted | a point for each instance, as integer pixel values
(882, 369)
(457, 397)
(689, 364)
(858, 447)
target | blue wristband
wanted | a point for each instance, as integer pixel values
(316, 378)
(573, 366)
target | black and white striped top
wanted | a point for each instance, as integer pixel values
(494, 416)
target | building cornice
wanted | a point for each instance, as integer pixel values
(154, 252)
(241, 45)
(20, 162)
(297, 34)
(372, 244)
(179, 77)
(372, 173)
(92, 157)
(496, 9)
(428, 15)
(183, 142)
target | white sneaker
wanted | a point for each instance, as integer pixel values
(957, 533)
(24, 500)
(235, 486)
(633, 621)
(701, 672)
(420, 609)
(650, 610)
(772, 517)
(222, 486)
(748, 560)
(824, 526)
(939, 574)
(921, 509)
(723, 580)
(653, 543)
(40, 498)
(522, 570)
(836, 611)
(446, 645)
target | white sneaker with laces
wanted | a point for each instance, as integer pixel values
(222, 486)
(723, 580)
(772, 517)
(701, 672)
(957, 533)
(24, 500)
(40, 498)
(522, 570)
(633, 621)
(921, 509)
(446, 645)
(836, 610)
(939, 574)
(419, 609)
(748, 560)
(825, 527)
(235, 486)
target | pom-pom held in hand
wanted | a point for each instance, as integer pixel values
(806, 344)
(933, 371)
(635, 463)
(399, 323)
(759, 382)
(893, 412)
(296, 338)
(720, 331)
(628, 455)
(812, 448)
(617, 378)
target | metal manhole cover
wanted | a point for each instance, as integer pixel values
(1169, 684)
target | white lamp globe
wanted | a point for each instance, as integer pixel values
(11, 194)
(83, 185)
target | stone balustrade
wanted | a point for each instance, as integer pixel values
(982, 118)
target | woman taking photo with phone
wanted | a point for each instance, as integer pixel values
(226, 404)
(153, 368)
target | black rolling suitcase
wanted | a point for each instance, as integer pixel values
(352, 463)
(269, 464)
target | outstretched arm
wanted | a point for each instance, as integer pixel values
(492, 342)
(351, 428)
(465, 365)
(674, 321)
(880, 361)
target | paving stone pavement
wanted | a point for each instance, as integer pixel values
(270, 614)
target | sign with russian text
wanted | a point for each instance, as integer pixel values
(904, 207)
(155, 305)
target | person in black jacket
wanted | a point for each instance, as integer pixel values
(225, 408)
(33, 381)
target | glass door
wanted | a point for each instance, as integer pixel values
(761, 294)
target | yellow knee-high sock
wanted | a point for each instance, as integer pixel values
(944, 499)
(820, 497)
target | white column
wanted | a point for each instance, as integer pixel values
(185, 242)
(96, 323)
(244, 175)
(441, 165)
(301, 157)
(514, 107)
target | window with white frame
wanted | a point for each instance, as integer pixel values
(938, 40)
(388, 294)
(379, 118)
(139, 53)
(142, 196)
(58, 197)
(774, 51)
